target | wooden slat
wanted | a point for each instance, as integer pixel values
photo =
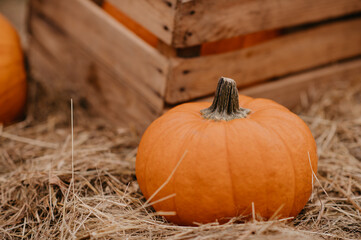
(130, 24)
(155, 15)
(200, 21)
(135, 62)
(69, 72)
(287, 91)
(196, 77)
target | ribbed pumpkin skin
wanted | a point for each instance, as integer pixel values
(261, 159)
(12, 74)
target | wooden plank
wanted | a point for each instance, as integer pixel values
(155, 15)
(68, 71)
(196, 77)
(136, 63)
(130, 24)
(288, 91)
(199, 21)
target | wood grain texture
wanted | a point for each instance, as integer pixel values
(287, 91)
(68, 68)
(196, 77)
(199, 21)
(135, 62)
(133, 26)
(155, 15)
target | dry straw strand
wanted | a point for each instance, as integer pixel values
(56, 185)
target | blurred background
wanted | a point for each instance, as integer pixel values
(133, 55)
(15, 11)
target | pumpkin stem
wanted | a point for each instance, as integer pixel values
(225, 104)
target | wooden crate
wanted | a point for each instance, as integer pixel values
(81, 51)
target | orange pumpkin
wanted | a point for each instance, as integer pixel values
(12, 74)
(260, 154)
(239, 42)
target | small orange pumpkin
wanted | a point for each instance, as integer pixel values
(12, 74)
(260, 154)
